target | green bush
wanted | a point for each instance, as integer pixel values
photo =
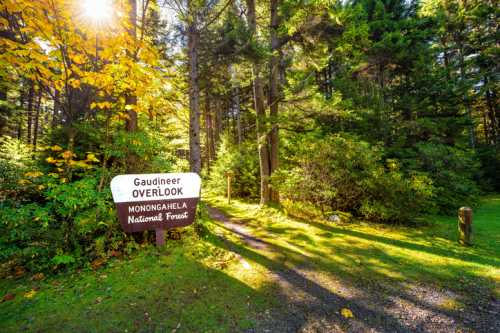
(490, 162)
(15, 161)
(452, 170)
(340, 172)
(243, 162)
(74, 224)
(56, 208)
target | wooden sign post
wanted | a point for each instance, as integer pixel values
(160, 237)
(465, 226)
(156, 201)
(229, 175)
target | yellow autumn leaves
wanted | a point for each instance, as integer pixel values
(346, 313)
(30, 294)
(62, 161)
(33, 174)
(68, 158)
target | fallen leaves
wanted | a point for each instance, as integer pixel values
(30, 294)
(33, 174)
(97, 263)
(38, 277)
(346, 313)
(19, 271)
(8, 297)
(51, 160)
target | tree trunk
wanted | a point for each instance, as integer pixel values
(217, 123)
(262, 137)
(19, 116)
(210, 124)
(131, 98)
(258, 94)
(472, 139)
(37, 120)
(235, 104)
(3, 97)
(194, 100)
(492, 105)
(275, 92)
(208, 129)
(131, 124)
(237, 112)
(30, 112)
(56, 110)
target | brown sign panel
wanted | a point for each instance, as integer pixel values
(156, 201)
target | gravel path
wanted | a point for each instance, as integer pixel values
(312, 301)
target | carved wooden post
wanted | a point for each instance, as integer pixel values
(465, 226)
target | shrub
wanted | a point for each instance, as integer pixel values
(75, 223)
(15, 161)
(452, 171)
(490, 161)
(56, 208)
(343, 173)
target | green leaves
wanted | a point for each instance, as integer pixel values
(63, 259)
(344, 173)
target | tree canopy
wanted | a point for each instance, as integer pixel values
(385, 109)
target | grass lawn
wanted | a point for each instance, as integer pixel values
(188, 286)
(366, 252)
(197, 285)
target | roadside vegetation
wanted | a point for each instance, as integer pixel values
(347, 133)
(198, 283)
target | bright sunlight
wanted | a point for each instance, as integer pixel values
(237, 166)
(98, 11)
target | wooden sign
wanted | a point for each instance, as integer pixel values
(156, 201)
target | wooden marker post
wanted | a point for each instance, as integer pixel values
(160, 237)
(465, 226)
(229, 176)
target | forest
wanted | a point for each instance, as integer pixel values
(379, 112)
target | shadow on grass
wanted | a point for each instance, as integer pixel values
(434, 250)
(148, 294)
(367, 278)
(321, 302)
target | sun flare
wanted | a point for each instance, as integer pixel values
(99, 11)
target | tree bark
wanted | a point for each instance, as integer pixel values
(19, 116)
(30, 112)
(208, 131)
(37, 120)
(274, 92)
(472, 139)
(258, 94)
(237, 112)
(131, 98)
(491, 111)
(217, 125)
(210, 124)
(56, 110)
(131, 124)
(194, 98)
(262, 138)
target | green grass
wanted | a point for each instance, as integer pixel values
(190, 286)
(396, 255)
(197, 285)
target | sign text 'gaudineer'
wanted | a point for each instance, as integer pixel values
(156, 201)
